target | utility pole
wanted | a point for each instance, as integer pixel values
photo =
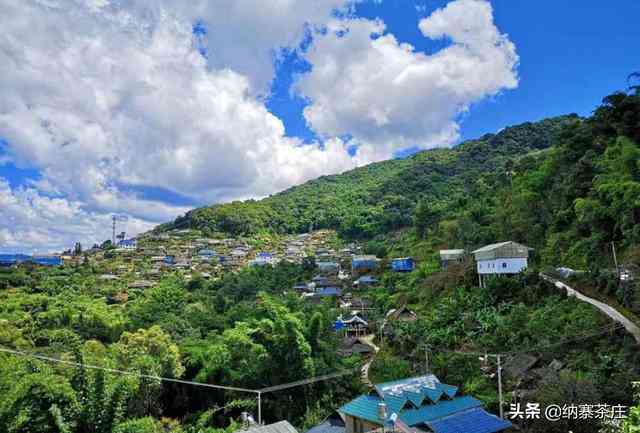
(500, 385)
(426, 359)
(615, 259)
(259, 408)
(113, 231)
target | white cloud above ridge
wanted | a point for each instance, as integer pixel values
(109, 94)
(388, 95)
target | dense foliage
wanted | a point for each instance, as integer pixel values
(568, 187)
(237, 331)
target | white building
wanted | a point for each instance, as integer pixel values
(127, 244)
(502, 258)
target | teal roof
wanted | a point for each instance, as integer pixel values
(416, 400)
(366, 407)
(432, 412)
(415, 390)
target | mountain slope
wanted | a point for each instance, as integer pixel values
(379, 197)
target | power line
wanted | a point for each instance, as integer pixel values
(306, 381)
(125, 372)
(259, 392)
(184, 382)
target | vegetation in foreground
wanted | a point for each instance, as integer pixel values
(567, 187)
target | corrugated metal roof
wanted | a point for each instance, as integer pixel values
(415, 400)
(490, 247)
(330, 291)
(508, 249)
(367, 279)
(403, 264)
(333, 424)
(476, 420)
(454, 251)
(207, 252)
(278, 427)
(452, 254)
(365, 257)
(366, 407)
(439, 410)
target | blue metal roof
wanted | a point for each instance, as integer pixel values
(402, 264)
(364, 262)
(476, 420)
(430, 412)
(415, 401)
(366, 407)
(330, 291)
(367, 279)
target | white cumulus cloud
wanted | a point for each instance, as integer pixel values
(110, 99)
(102, 99)
(33, 222)
(384, 93)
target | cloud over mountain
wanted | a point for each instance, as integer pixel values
(109, 100)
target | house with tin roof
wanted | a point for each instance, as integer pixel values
(451, 257)
(403, 264)
(502, 258)
(416, 405)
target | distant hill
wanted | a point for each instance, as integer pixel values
(379, 197)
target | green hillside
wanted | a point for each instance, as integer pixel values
(568, 187)
(565, 186)
(378, 197)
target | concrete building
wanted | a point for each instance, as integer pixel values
(502, 258)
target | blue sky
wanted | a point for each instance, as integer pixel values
(571, 55)
(192, 108)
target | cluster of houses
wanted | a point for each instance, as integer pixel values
(420, 404)
(342, 270)
(148, 257)
(7, 260)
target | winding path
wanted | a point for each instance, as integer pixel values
(368, 340)
(614, 314)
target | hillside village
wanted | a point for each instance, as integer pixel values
(341, 276)
(448, 292)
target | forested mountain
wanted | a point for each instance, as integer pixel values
(565, 186)
(373, 199)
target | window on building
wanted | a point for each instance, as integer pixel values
(504, 264)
